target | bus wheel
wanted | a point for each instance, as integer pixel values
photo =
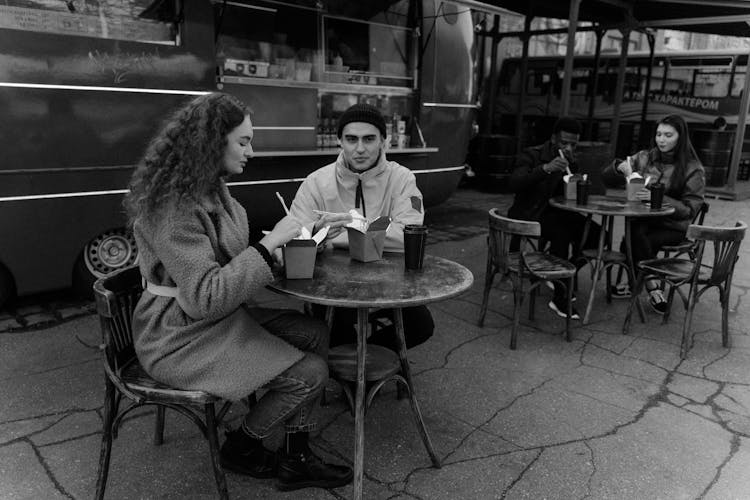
(7, 286)
(108, 252)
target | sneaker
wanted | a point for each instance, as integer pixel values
(255, 461)
(560, 308)
(306, 470)
(657, 301)
(620, 291)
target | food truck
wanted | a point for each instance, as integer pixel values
(84, 85)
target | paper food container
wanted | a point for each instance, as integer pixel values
(571, 182)
(366, 241)
(299, 254)
(635, 184)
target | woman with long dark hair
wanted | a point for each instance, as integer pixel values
(673, 162)
(195, 326)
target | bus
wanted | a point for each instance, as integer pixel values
(84, 85)
(699, 85)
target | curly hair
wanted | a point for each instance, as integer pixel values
(183, 162)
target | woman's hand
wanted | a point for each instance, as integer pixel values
(286, 229)
(336, 223)
(625, 168)
(643, 194)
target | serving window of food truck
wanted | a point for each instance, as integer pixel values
(317, 63)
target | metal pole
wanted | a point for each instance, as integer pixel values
(524, 80)
(618, 92)
(642, 138)
(493, 77)
(739, 134)
(594, 84)
(569, 53)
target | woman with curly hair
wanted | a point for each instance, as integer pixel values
(673, 162)
(195, 326)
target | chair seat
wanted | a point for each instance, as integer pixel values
(137, 380)
(546, 266)
(674, 268)
(684, 246)
(380, 362)
(608, 256)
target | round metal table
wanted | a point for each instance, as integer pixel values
(609, 207)
(339, 281)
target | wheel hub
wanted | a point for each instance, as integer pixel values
(110, 251)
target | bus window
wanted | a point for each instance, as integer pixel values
(679, 81)
(711, 84)
(539, 81)
(738, 83)
(133, 20)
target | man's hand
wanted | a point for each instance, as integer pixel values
(643, 194)
(558, 164)
(625, 168)
(336, 221)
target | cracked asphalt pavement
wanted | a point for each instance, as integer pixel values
(606, 416)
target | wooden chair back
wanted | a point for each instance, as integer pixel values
(503, 230)
(726, 242)
(700, 215)
(116, 297)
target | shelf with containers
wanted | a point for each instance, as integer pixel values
(299, 66)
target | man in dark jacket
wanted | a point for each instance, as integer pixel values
(538, 176)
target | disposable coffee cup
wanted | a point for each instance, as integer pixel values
(415, 239)
(582, 192)
(657, 195)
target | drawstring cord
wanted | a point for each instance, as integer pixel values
(358, 197)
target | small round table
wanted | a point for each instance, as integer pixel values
(609, 207)
(339, 281)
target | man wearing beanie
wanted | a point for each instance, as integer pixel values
(362, 178)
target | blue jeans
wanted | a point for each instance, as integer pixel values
(292, 396)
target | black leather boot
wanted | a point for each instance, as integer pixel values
(245, 455)
(299, 467)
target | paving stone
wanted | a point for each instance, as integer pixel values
(22, 476)
(14, 430)
(695, 389)
(639, 460)
(734, 481)
(71, 426)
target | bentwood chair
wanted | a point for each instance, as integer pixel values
(687, 246)
(532, 265)
(677, 272)
(127, 383)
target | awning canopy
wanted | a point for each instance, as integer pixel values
(723, 17)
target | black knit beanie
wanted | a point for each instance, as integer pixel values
(362, 113)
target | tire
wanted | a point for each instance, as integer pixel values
(108, 252)
(7, 287)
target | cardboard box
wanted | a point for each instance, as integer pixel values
(367, 245)
(634, 185)
(241, 67)
(299, 258)
(571, 184)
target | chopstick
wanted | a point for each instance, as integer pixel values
(283, 203)
(323, 212)
(562, 155)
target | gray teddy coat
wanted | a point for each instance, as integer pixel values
(202, 249)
